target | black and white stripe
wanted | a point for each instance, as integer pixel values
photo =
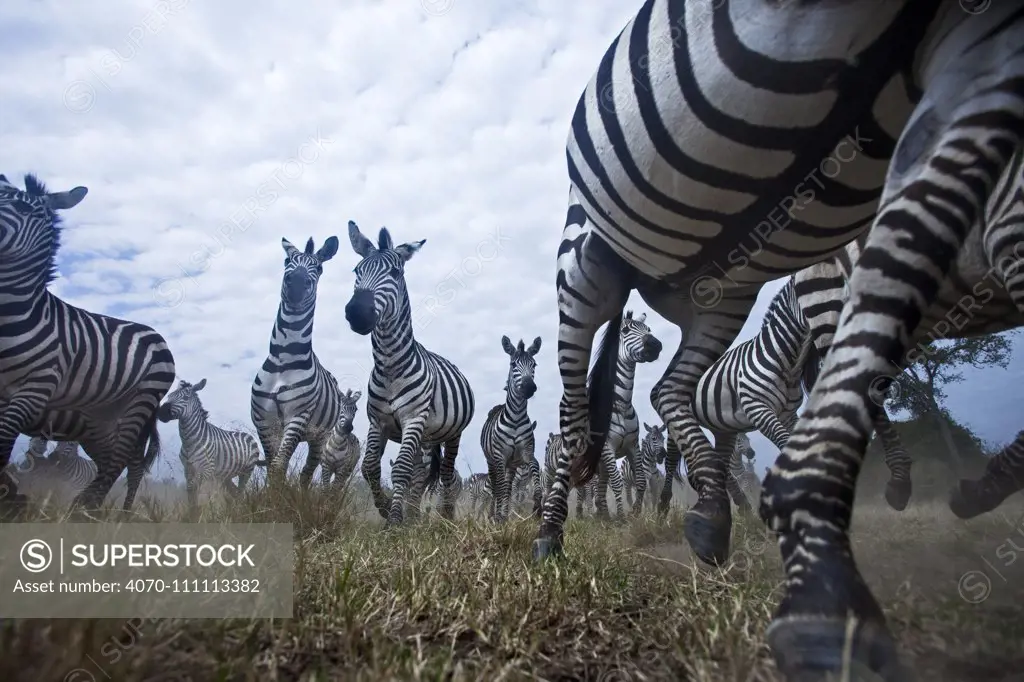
(66, 373)
(745, 486)
(689, 157)
(295, 399)
(636, 344)
(652, 455)
(342, 449)
(506, 438)
(477, 487)
(415, 397)
(208, 452)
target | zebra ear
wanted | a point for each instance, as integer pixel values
(642, 318)
(59, 201)
(310, 246)
(199, 386)
(629, 315)
(406, 251)
(647, 426)
(289, 248)
(534, 347)
(533, 426)
(327, 251)
(356, 396)
(360, 244)
(506, 343)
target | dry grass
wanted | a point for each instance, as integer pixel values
(461, 601)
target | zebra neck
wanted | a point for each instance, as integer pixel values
(192, 427)
(625, 372)
(393, 340)
(19, 301)
(514, 412)
(293, 332)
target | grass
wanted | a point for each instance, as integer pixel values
(462, 601)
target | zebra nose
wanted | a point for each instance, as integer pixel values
(529, 387)
(652, 347)
(360, 312)
(163, 413)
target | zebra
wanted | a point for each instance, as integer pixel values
(423, 480)
(506, 438)
(67, 373)
(585, 493)
(759, 384)
(746, 483)
(73, 470)
(341, 452)
(678, 163)
(652, 454)
(415, 397)
(295, 399)
(636, 344)
(478, 488)
(208, 452)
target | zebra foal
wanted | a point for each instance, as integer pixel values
(208, 452)
(342, 450)
(506, 438)
(67, 373)
(683, 156)
(414, 397)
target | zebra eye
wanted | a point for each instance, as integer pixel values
(396, 271)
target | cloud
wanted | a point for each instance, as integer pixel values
(206, 132)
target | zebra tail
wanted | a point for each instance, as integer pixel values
(152, 434)
(812, 367)
(601, 396)
(434, 472)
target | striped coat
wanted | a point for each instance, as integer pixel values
(208, 452)
(409, 385)
(689, 182)
(342, 450)
(294, 398)
(506, 438)
(67, 373)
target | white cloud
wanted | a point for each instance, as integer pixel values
(206, 132)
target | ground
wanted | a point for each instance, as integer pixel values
(462, 601)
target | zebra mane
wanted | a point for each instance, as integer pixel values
(783, 302)
(34, 187)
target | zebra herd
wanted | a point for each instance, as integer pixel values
(688, 158)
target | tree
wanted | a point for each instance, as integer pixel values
(921, 388)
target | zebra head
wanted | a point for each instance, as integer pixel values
(349, 407)
(654, 442)
(30, 227)
(380, 296)
(521, 367)
(36, 453)
(636, 342)
(182, 401)
(302, 270)
(743, 447)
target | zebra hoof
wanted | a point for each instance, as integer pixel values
(815, 649)
(546, 548)
(707, 527)
(969, 499)
(897, 494)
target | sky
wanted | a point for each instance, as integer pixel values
(206, 132)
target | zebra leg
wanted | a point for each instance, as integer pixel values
(409, 457)
(672, 458)
(538, 500)
(615, 478)
(20, 412)
(316, 452)
(764, 419)
(449, 478)
(725, 444)
(371, 468)
(707, 524)
(943, 171)
(898, 489)
(603, 476)
(1004, 475)
(581, 497)
(326, 472)
(278, 466)
(243, 478)
(505, 501)
(592, 287)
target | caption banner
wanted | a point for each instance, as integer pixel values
(164, 570)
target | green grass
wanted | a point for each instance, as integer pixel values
(462, 601)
